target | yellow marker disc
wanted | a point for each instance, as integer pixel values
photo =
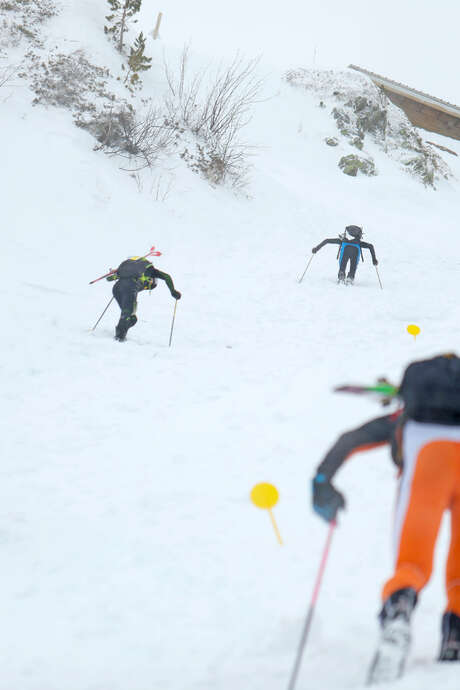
(264, 495)
(413, 330)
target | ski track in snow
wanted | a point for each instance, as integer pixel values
(133, 558)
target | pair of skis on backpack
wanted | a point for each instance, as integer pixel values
(383, 390)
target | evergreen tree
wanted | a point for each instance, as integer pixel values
(137, 61)
(122, 12)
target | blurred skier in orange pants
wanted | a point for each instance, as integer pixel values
(425, 442)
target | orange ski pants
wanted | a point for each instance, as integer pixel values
(430, 485)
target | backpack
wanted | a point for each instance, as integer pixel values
(132, 268)
(430, 390)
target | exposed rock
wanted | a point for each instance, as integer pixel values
(331, 141)
(343, 121)
(363, 114)
(353, 164)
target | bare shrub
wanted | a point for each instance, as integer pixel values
(121, 132)
(7, 73)
(161, 187)
(214, 109)
(68, 81)
(72, 82)
(22, 19)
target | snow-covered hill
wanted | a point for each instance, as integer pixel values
(132, 556)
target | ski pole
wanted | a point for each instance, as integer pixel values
(309, 618)
(311, 259)
(102, 314)
(379, 277)
(172, 324)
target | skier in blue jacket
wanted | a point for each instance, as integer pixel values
(351, 248)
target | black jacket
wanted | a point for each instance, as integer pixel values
(377, 432)
(148, 279)
(337, 240)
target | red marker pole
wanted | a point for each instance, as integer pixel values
(307, 626)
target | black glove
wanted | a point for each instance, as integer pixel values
(375, 262)
(327, 501)
(314, 250)
(176, 294)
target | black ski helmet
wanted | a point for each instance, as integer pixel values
(355, 231)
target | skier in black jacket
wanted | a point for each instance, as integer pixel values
(349, 251)
(425, 442)
(133, 276)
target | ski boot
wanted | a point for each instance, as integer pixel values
(350, 280)
(341, 278)
(450, 644)
(123, 326)
(120, 331)
(390, 657)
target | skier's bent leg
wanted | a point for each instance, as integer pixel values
(395, 637)
(425, 494)
(453, 559)
(125, 293)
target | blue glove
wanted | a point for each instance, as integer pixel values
(327, 501)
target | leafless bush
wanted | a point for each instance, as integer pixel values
(218, 161)
(214, 109)
(161, 187)
(22, 19)
(72, 82)
(7, 73)
(183, 99)
(68, 81)
(142, 140)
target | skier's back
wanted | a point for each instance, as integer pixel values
(350, 250)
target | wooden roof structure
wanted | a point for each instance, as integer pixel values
(423, 110)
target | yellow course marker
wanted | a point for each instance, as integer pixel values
(266, 496)
(413, 330)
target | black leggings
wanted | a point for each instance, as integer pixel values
(125, 292)
(350, 254)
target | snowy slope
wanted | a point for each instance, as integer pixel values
(132, 555)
